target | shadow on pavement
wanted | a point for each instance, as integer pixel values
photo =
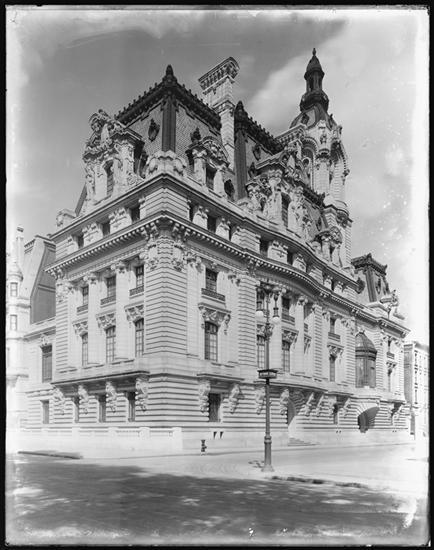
(56, 501)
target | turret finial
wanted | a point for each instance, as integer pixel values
(314, 51)
(169, 70)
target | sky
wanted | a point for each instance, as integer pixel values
(64, 64)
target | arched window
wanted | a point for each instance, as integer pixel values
(229, 190)
(366, 355)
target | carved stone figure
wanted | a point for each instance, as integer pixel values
(84, 398)
(59, 399)
(203, 390)
(142, 392)
(234, 393)
(284, 401)
(111, 394)
(259, 398)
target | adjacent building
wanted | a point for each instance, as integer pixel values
(416, 387)
(189, 207)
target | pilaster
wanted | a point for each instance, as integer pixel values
(299, 367)
(122, 296)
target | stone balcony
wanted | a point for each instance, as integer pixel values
(108, 300)
(136, 291)
(333, 337)
(287, 317)
(83, 308)
(213, 294)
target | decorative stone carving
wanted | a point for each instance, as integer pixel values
(330, 405)
(142, 384)
(289, 336)
(134, 313)
(284, 401)
(334, 350)
(195, 136)
(259, 398)
(234, 393)
(215, 316)
(256, 150)
(80, 327)
(84, 398)
(165, 161)
(215, 149)
(319, 404)
(90, 278)
(59, 399)
(106, 320)
(44, 340)
(111, 395)
(203, 390)
(153, 130)
(307, 406)
(119, 267)
(258, 191)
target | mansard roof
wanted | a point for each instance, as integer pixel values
(242, 121)
(169, 84)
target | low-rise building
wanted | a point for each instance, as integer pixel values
(416, 386)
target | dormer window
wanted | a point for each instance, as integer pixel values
(285, 206)
(105, 229)
(211, 223)
(135, 213)
(110, 180)
(209, 177)
(229, 190)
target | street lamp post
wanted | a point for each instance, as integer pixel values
(267, 290)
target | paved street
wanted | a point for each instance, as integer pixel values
(221, 499)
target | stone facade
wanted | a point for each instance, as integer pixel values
(157, 274)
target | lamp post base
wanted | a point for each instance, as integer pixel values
(267, 455)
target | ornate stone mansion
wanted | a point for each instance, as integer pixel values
(189, 205)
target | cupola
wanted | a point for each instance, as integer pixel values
(314, 93)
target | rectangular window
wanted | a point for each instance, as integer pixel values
(285, 205)
(80, 241)
(110, 344)
(13, 322)
(139, 337)
(214, 410)
(135, 213)
(332, 325)
(102, 407)
(211, 341)
(286, 352)
(131, 396)
(111, 286)
(211, 280)
(389, 380)
(76, 409)
(289, 258)
(105, 229)
(210, 173)
(211, 224)
(286, 306)
(47, 363)
(14, 289)
(84, 349)
(263, 247)
(260, 351)
(84, 295)
(139, 276)
(332, 368)
(45, 412)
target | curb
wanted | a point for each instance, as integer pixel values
(317, 481)
(74, 456)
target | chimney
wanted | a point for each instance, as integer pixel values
(217, 92)
(19, 246)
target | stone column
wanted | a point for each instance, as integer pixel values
(122, 297)
(299, 367)
(325, 350)
(94, 352)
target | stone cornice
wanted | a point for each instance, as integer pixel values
(368, 261)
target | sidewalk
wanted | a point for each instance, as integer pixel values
(397, 468)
